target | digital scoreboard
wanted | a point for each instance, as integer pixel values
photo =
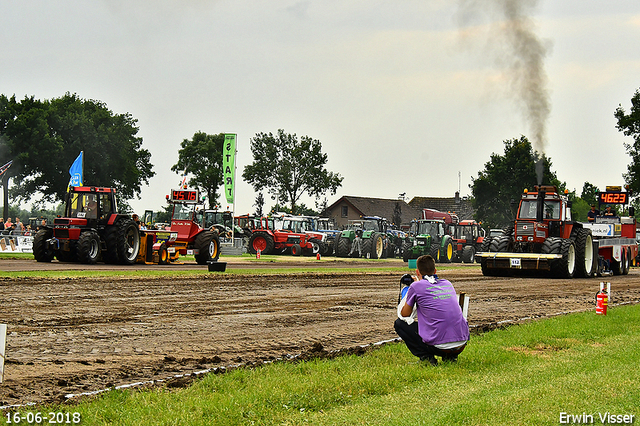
(613, 197)
(184, 195)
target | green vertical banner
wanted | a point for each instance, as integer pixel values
(229, 166)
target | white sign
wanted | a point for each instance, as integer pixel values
(600, 229)
(516, 263)
(20, 244)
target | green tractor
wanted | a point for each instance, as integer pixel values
(429, 238)
(365, 237)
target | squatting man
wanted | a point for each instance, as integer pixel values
(441, 329)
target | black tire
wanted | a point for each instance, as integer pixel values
(434, 250)
(486, 243)
(42, 251)
(584, 253)
(260, 241)
(468, 254)
(406, 250)
(564, 267)
(208, 245)
(500, 243)
(163, 255)
(367, 247)
(377, 246)
(296, 250)
(627, 263)
(123, 242)
(317, 246)
(343, 246)
(89, 247)
(447, 252)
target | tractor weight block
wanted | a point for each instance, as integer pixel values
(217, 266)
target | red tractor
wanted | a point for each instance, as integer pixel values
(268, 240)
(190, 236)
(467, 236)
(91, 229)
(544, 240)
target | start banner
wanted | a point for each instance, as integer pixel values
(229, 166)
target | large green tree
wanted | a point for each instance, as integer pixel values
(45, 137)
(288, 168)
(201, 157)
(503, 180)
(629, 124)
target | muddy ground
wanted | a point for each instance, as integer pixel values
(71, 336)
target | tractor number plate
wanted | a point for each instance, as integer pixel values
(516, 263)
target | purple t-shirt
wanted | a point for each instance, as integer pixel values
(440, 318)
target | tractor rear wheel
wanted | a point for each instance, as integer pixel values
(468, 254)
(377, 246)
(317, 246)
(435, 251)
(564, 267)
(584, 253)
(261, 241)
(42, 251)
(89, 247)
(123, 242)
(208, 245)
(406, 250)
(343, 246)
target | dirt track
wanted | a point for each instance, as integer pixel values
(68, 336)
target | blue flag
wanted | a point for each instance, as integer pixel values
(76, 172)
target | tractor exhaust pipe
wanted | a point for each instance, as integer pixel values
(540, 205)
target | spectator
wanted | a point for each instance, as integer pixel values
(609, 213)
(591, 216)
(1, 223)
(136, 219)
(19, 225)
(441, 329)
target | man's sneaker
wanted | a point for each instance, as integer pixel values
(429, 360)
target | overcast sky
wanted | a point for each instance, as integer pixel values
(406, 96)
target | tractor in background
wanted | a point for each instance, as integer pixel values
(90, 230)
(372, 230)
(269, 238)
(468, 236)
(430, 235)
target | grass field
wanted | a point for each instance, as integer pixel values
(539, 373)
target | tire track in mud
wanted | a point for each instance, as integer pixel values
(77, 335)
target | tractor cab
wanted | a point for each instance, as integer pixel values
(543, 213)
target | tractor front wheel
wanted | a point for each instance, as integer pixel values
(208, 245)
(89, 247)
(42, 251)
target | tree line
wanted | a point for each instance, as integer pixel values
(43, 138)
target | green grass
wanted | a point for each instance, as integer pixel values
(522, 375)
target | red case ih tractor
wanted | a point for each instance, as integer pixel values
(467, 236)
(545, 239)
(90, 229)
